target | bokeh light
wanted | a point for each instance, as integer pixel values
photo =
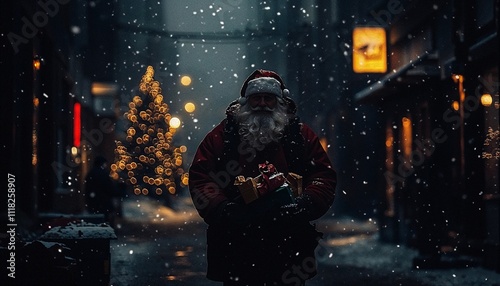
(189, 107)
(186, 80)
(175, 122)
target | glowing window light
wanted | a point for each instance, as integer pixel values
(103, 89)
(407, 136)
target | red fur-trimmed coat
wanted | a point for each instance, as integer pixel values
(234, 251)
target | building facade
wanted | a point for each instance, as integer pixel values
(56, 119)
(436, 109)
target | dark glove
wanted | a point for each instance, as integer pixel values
(300, 210)
(234, 214)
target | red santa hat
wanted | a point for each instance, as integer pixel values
(264, 81)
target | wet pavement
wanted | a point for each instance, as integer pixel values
(159, 245)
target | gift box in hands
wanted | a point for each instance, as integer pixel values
(270, 186)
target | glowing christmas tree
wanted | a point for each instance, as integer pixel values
(148, 160)
(491, 141)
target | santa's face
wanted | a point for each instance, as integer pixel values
(262, 120)
(263, 100)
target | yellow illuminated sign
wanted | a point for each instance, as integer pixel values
(369, 50)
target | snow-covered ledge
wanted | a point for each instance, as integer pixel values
(80, 230)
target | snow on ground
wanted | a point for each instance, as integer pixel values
(347, 244)
(364, 250)
(150, 210)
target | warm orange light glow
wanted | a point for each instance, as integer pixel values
(185, 180)
(186, 80)
(171, 278)
(486, 99)
(388, 142)
(77, 124)
(102, 89)
(190, 107)
(34, 156)
(347, 240)
(389, 166)
(36, 64)
(455, 105)
(369, 50)
(407, 136)
(171, 190)
(459, 79)
(324, 143)
(406, 122)
(137, 191)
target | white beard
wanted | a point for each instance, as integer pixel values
(258, 127)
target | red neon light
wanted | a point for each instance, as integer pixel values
(77, 124)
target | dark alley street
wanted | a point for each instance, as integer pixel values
(131, 125)
(158, 245)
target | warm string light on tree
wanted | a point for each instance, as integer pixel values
(492, 141)
(148, 160)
